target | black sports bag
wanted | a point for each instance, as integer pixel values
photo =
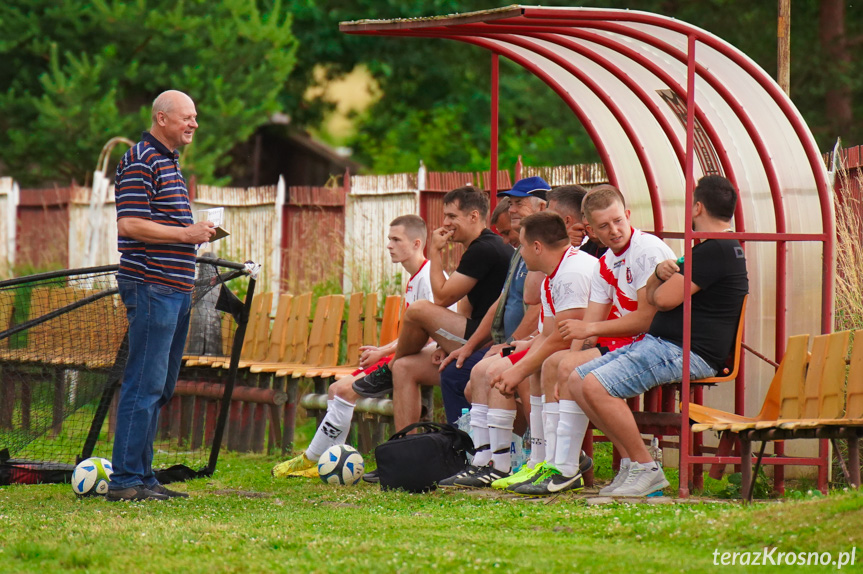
(416, 462)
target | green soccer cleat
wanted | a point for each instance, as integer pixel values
(297, 466)
(525, 475)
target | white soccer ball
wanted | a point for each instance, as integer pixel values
(341, 465)
(91, 476)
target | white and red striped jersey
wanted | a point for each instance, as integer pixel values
(618, 277)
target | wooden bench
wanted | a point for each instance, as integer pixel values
(821, 405)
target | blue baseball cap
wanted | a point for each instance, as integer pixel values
(527, 187)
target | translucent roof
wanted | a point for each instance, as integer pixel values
(624, 74)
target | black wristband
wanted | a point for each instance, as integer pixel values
(657, 274)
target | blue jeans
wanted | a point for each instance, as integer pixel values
(158, 324)
(452, 384)
(636, 368)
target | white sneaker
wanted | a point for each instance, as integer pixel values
(642, 480)
(618, 480)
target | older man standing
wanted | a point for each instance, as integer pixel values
(156, 240)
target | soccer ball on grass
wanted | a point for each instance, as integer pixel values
(91, 476)
(341, 465)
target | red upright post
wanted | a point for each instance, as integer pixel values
(494, 126)
(683, 488)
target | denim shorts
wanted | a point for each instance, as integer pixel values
(635, 369)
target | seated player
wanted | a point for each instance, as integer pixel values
(618, 313)
(502, 222)
(719, 285)
(479, 277)
(407, 237)
(566, 202)
(546, 248)
(513, 315)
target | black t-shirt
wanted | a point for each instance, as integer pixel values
(486, 259)
(719, 270)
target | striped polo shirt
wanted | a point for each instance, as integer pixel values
(149, 185)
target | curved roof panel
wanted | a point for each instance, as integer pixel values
(624, 74)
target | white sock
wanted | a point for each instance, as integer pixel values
(500, 423)
(334, 428)
(552, 418)
(537, 433)
(570, 434)
(479, 427)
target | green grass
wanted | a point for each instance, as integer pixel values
(242, 520)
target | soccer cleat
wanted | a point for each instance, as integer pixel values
(523, 474)
(376, 384)
(528, 477)
(482, 478)
(561, 483)
(552, 482)
(294, 465)
(618, 480)
(307, 473)
(585, 463)
(641, 481)
(543, 476)
(449, 482)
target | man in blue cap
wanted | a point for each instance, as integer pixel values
(509, 318)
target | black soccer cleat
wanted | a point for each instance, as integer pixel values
(481, 479)
(449, 482)
(376, 384)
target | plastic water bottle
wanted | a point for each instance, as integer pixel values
(463, 423)
(516, 452)
(655, 451)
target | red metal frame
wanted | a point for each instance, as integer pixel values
(495, 94)
(560, 26)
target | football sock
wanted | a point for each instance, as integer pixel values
(537, 434)
(334, 428)
(551, 412)
(500, 423)
(479, 427)
(570, 434)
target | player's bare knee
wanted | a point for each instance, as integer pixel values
(343, 389)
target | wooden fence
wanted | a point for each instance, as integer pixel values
(300, 235)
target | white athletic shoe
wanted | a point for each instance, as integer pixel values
(642, 480)
(618, 480)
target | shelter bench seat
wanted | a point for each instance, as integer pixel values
(808, 398)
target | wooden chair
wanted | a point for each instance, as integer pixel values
(358, 312)
(257, 309)
(783, 391)
(798, 398)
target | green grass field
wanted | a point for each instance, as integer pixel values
(242, 520)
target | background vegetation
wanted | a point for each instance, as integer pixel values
(75, 73)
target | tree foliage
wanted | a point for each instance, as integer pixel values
(436, 104)
(77, 72)
(74, 74)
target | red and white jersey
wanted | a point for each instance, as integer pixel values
(568, 286)
(419, 286)
(619, 276)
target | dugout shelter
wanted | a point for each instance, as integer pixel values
(665, 103)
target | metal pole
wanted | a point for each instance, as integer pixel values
(783, 46)
(495, 60)
(683, 488)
